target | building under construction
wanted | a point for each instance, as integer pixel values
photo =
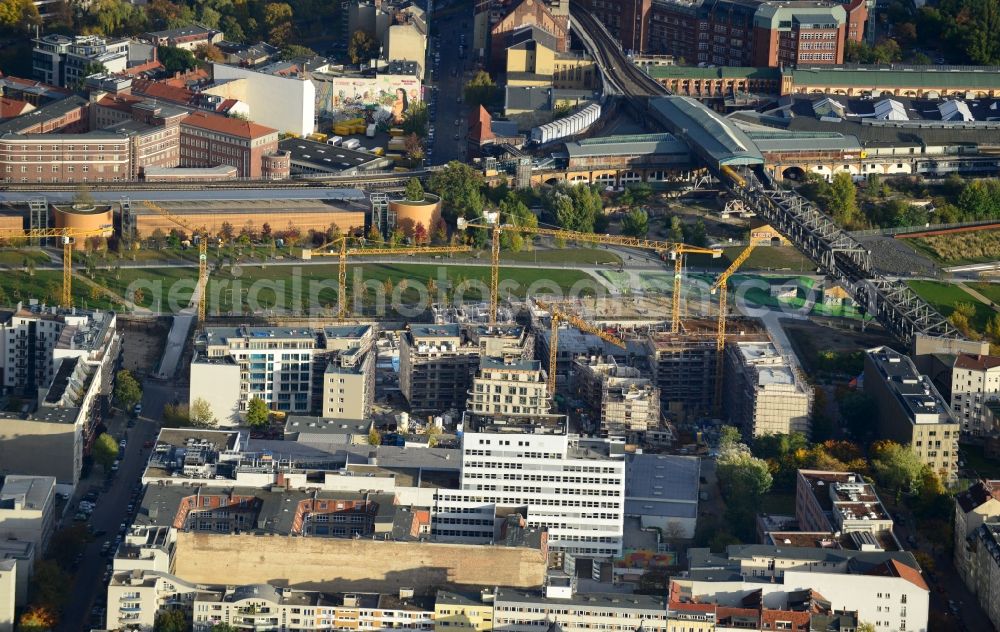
(683, 364)
(621, 400)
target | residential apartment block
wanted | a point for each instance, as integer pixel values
(886, 589)
(513, 388)
(983, 570)
(975, 381)
(912, 411)
(65, 61)
(974, 507)
(764, 394)
(460, 612)
(620, 400)
(437, 362)
(296, 370)
(8, 594)
(27, 509)
(842, 508)
(562, 607)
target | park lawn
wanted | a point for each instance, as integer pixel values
(762, 258)
(943, 296)
(989, 290)
(46, 287)
(169, 289)
(16, 257)
(592, 256)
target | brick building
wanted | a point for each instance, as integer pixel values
(735, 32)
(551, 19)
(100, 156)
(207, 140)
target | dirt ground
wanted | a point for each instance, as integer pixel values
(144, 340)
(812, 337)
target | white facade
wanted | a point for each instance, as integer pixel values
(27, 509)
(509, 388)
(576, 492)
(294, 111)
(764, 395)
(8, 579)
(217, 383)
(975, 380)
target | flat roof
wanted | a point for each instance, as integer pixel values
(215, 195)
(32, 491)
(714, 72)
(916, 393)
(595, 601)
(627, 145)
(328, 157)
(899, 76)
(304, 424)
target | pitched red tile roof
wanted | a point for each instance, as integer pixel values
(976, 362)
(226, 125)
(894, 568)
(163, 91)
(770, 618)
(479, 126)
(9, 108)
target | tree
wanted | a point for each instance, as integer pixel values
(857, 410)
(414, 148)
(419, 236)
(432, 432)
(209, 52)
(729, 436)
(223, 627)
(562, 109)
(416, 120)
(175, 59)
(459, 186)
(201, 413)
(50, 585)
(842, 199)
(128, 392)
(296, 51)
(105, 451)
(362, 47)
(374, 438)
(414, 190)
(480, 90)
(37, 619)
(258, 415)
(176, 415)
(278, 19)
(896, 467)
(171, 621)
(18, 15)
(636, 223)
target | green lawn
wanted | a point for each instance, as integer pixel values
(989, 290)
(16, 257)
(943, 296)
(762, 258)
(263, 286)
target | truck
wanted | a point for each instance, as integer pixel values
(353, 143)
(370, 132)
(334, 140)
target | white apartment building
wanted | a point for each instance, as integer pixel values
(348, 387)
(886, 589)
(978, 505)
(563, 609)
(64, 60)
(19, 557)
(573, 487)
(513, 387)
(27, 509)
(763, 394)
(975, 380)
(272, 363)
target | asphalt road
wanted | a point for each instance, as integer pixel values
(449, 88)
(88, 582)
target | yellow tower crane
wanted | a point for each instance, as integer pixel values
(558, 316)
(720, 286)
(338, 248)
(202, 240)
(68, 237)
(614, 240)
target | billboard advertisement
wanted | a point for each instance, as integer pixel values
(376, 99)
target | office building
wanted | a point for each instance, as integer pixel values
(911, 411)
(977, 505)
(573, 487)
(975, 381)
(620, 401)
(886, 589)
(437, 362)
(736, 32)
(209, 140)
(27, 509)
(763, 393)
(515, 388)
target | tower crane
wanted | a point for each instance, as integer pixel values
(720, 285)
(615, 240)
(338, 248)
(557, 316)
(202, 240)
(68, 237)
